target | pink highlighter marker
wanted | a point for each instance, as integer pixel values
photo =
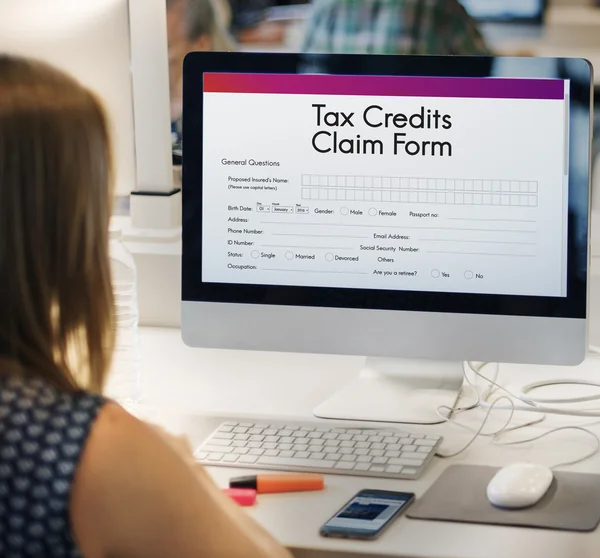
(243, 496)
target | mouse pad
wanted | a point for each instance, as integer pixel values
(571, 504)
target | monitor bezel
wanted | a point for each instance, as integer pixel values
(574, 305)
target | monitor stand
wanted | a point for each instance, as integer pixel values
(398, 391)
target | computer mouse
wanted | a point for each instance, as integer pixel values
(519, 485)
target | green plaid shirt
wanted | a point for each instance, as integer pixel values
(392, 27)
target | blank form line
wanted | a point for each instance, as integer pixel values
(306, 247)
(483, 254)
(315, 271)
(491, 220)
(477, 241)
(320, 235)
(393, 227)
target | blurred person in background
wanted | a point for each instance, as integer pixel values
(392, 27)
(250, 25)
(192, 25)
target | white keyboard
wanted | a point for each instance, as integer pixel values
(384, 452)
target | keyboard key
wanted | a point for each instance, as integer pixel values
(345, 451)
(215, 457)
(318, 455)
(379, 460)
(406, 441)
(303, 463)
(217, 449)
(361, 451)
(394, 469)
(237, 444)
(405, 462)
(201, 455)
(241, 451)
(394, 447)
(364, 459)
(307, 428)
(354, 431)
(249, 459)
(242, 437)
(392, 454)
(306, 454)
(375, 439)
(254, 445)
(300, 447)
(333, 456)
(270, 432)
(377, 469)
(270, 445)
(284, 447)
(330, 436)
(359, 438)
(344, 465)
(362, 467)
(256, 451)
(218, 442)
(271, 438)
(255, 430)
(332, 443)
(425, 442)
(316, 442)
(424, 449)
(347, 444)
(286, 454)
(223, 436)
(227, 425)
(378, 446)
(413, 455)
(376, 453)
(246, 424)
(231, 458)
(272, 452)
(348, 457)
(362, 445)
(299, 434)
(257, 438)
(285, 432)
(344, 437)
(409, 448)
(240, 430)
(323, 429)
(391, 440)
(315, 434)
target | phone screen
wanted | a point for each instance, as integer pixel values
(367, 513)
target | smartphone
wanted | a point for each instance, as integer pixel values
(367, 514)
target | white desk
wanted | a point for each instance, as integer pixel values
(182, 382)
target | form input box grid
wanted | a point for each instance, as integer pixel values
(420, 190)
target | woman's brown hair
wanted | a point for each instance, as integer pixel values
(55, 190)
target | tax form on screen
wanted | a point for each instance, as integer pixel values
(384, 182)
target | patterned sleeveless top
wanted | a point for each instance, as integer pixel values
(42, 434)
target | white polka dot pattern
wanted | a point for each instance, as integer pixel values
(42, 433)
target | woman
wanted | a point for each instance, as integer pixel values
(78, 475)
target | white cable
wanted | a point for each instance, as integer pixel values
(506, 428)
(553, 431)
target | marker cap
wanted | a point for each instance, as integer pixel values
(243, 496)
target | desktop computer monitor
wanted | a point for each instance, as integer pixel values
(419, 211)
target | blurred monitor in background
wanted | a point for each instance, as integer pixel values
(392, 27)
(192, 25)
(506, 10)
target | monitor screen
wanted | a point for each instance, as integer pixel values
(393, 183)
(505, 10)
